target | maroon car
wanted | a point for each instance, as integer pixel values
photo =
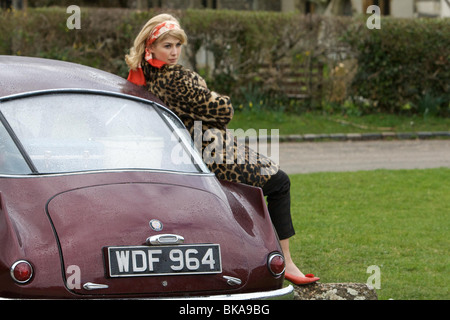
(102, 195)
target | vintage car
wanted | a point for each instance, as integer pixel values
(103, 196)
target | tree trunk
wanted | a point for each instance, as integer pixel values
(335, 8)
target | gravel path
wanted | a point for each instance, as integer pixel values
(306, 157)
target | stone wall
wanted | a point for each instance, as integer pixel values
(335, 291)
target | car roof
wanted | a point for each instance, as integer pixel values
(27, 74)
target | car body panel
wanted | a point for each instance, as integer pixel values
(24, 74)
(75, 215)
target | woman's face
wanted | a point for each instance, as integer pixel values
(167, 50)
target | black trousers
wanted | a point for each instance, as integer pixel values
(278, 192)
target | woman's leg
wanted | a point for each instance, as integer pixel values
(291, 267)
(278, 193)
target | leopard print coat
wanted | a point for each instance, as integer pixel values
(186, 94)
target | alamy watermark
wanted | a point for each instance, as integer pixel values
(231, 147)
(73, 281)
(374, 21)
(73, 273)
(74, 21)
(374, 280)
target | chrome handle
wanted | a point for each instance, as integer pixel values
(163, 239)
(232, 281)
(94, 286)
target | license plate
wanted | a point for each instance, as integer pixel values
(140, 261)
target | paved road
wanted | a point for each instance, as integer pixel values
(306, 157)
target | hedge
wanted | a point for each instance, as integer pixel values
(404, 67)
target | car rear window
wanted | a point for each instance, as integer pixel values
(11, 160)
(72, 132)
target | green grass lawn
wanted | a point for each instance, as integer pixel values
(316, 123)
(396, 220)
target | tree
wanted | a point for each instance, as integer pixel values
(339, 7)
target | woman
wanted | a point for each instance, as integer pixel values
(153, 63)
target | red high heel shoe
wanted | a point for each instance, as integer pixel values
(307, 279)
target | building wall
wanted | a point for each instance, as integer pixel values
(288, 5)
(445, 9)
(267, 5)
(395, 8)
(409, 8)
(402, 8)
(430, 8)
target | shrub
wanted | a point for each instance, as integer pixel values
(243, 41)
(43, 33)
(404, 66)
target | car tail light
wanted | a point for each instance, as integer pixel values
(21, 271)
(276, 264)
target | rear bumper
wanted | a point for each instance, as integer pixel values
(286, 293)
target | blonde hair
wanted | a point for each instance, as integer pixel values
(134, 58)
